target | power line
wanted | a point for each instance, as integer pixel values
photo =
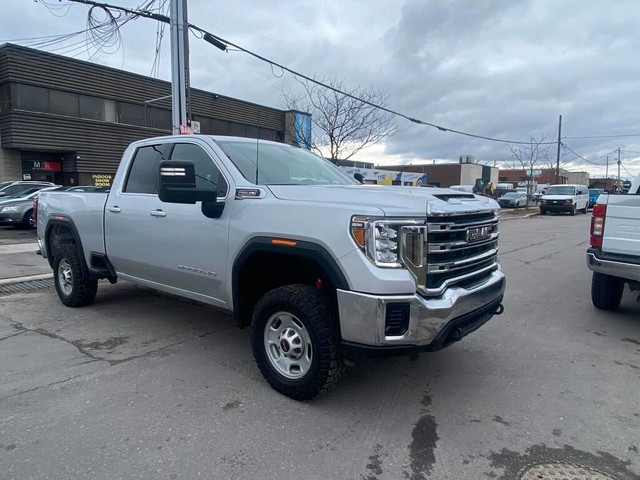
(588, 161)
(222, 44)
(607, 136)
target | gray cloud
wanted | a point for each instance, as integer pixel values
(498, 68)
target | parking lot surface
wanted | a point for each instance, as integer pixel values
(145, 385)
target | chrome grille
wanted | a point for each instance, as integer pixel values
(461, 249)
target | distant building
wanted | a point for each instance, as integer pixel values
(607, 184)
(353, 163)
(578, 178)
(540, 176)
(447, 174)
(69, 121)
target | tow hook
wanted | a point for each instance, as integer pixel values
(499, 310)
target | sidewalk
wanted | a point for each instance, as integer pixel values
(19, 262)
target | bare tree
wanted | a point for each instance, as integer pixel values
(342, 125)
(528, 156)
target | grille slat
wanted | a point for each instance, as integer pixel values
(454, 258)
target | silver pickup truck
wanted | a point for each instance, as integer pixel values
(614, 255)
(321, 267)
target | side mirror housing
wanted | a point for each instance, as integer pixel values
(178, 184)
(358, 177)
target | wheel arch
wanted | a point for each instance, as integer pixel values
(59, 232)
(263, 265)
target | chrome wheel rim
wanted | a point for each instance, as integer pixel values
(65, 276)
(288, 345)
(30, 221)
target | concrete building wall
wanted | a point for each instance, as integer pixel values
(579, 178)
(10, 164)
(469, 173)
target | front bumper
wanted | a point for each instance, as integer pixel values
(434, 323)
(11, 218)
(557, 207)
(621, 266)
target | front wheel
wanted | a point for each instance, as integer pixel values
(586, 206)
(572, 212)
(295, 341)
(606, 291)
(28, 221)
(74, 288)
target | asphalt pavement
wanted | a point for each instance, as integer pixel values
(145, 385)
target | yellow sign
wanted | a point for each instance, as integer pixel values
(102, 180)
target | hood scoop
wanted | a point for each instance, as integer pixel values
(454, 198)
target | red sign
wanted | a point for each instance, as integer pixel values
(186, 130)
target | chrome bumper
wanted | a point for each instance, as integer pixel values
(362, 316)
(619, 269)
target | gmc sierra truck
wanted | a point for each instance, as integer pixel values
(321, 267)
(614, 255)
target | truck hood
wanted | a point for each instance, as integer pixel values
(394, 201)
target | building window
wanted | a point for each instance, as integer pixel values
(92, 107)
(63, 103)
(131, 114)
(219, 127)
(5, 98)
(158, 118)
(35, 99)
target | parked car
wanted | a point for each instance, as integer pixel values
(594, 193)
(565, 198)
(17, 210)
(12, 188)
(513, 199)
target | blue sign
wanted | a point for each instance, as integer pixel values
(302, 128)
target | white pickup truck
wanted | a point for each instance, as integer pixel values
(321, 267)
(614, 255)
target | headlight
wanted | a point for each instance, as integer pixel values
(568, 202)
(543, 202)
(10, 208)
(380, 240)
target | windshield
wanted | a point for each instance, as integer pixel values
(282, 164)
(511, 195)
(22, 193)
(561, 190)
(21, 189)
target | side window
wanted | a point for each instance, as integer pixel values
(208, 176)
(144, 173)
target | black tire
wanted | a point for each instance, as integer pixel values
(606, 291)
(572, 212)
(308, 306)
(74, 288)
(27, 220)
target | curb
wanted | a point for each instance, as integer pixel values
(29, 278)
(519, 216)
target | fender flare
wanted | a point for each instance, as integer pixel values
(68, 223)
(302, 249)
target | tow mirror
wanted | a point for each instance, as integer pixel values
(178, 184)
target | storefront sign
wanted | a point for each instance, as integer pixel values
(102, 180)
(38, 165)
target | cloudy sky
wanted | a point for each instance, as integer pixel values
(504, 69)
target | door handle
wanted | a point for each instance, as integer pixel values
(158, 213)
(114, 209)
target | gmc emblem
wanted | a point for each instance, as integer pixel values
(478, 234)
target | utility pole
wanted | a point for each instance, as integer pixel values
(558, 156)
(606, 175)
(179, 67)
(619, 183)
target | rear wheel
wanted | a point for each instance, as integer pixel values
(295, 342)
(73, 286)
(606, 291)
